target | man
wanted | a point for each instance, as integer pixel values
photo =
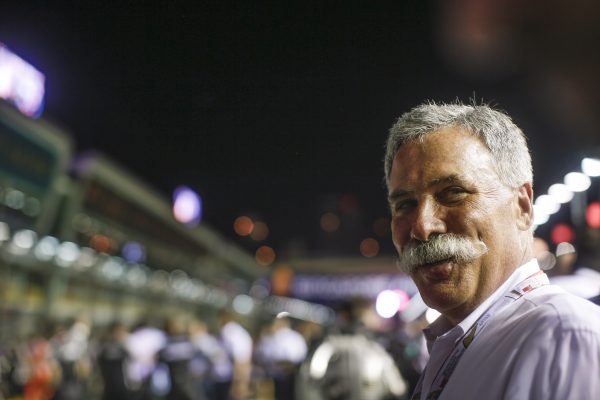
(179, 355)
(281, 350)
(238, 344)
(459, 180)
(111, 359)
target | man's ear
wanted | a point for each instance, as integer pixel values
(524, 206)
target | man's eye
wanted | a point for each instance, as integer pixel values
(452, 194)
(403, 205)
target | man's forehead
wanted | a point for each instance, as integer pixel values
(442, 146)
(466, 165)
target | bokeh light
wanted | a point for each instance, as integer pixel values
(387, 303)
(547, 204)
(101, 243)
(66, 254)
(539, 216)
(281, 280)
(187, 206)
(46, 248)
(404, 299)
(243, 304)
(260, 288)
(14, 199)
(32, 207)
(560, 193)
(330, 222)
(133, 252)
(260, 231)
(136, 276)
(243, 225)
(541, 251)
(577, 182)
(590, 166)
(562, 233)
(265, 255)
(24, 239)
(21, 83)
(369, 247)
(87, 258)
(592, 215)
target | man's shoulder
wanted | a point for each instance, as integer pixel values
(544, 316)
(552, 307)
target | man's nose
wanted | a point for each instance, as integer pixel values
(427, 221)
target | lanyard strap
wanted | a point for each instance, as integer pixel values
(448, 366)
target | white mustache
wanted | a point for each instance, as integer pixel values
(439, 247)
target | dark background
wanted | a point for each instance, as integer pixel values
(280, 110)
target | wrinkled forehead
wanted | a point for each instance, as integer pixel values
(421, 138)
(439, 155)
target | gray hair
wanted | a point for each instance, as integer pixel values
(504, 139)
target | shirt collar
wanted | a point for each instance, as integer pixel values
(442, 327)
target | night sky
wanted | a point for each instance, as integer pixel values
(277, 110)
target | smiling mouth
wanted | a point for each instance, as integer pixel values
(438, 271)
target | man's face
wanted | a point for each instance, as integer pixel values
(447, 185)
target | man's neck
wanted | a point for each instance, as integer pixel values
(456, 315)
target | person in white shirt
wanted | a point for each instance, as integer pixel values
(459, 181)
(280, 351)
(238, 343)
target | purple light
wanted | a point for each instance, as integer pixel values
(187, 206)
(21, 83)
(133, 252)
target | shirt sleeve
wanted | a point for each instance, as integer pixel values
(557, 364)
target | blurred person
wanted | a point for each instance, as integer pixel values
(239, 345)
(413, 350)
(37, 369)
(577, 279)
(353, 316)
(179, 355)
(311, 332)
(349, 367)
(72, 349)
(349, 363)
(215, 370)
(281, 350)
(408, 345)
(111, 358)
(143, 345)
(9, 385)
(459, 181)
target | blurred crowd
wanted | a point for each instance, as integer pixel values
(186, 358)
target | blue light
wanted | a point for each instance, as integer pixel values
(133, 252)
